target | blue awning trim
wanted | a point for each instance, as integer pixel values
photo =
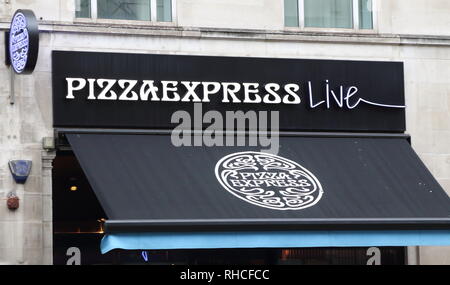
(279, 239)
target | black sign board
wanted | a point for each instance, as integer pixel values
(114, 90)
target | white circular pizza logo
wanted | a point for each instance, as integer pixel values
(268, 181)
(19, 42)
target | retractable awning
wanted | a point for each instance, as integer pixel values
(318, 191)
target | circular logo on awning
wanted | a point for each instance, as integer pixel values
(23, 41)
(268, 181)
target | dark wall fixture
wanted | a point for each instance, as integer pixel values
(7, 60)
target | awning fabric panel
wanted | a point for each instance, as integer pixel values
(145, 177)
(277, 239)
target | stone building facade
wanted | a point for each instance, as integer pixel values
(416, 32)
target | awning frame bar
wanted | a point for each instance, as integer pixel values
(277, 224)
(198, 132)
(62, 144)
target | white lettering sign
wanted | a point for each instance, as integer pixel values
(340, 97)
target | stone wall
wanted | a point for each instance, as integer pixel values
(25, 234)
(393, 16)
(213, 27)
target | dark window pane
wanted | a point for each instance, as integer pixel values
(124, 9)
(329, 13)
(365, 14)
(291, 13)
(164, 11)
(83, 8)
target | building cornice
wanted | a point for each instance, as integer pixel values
(341, 37)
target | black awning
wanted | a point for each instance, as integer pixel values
(145, 183)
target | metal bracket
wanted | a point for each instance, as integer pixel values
(12, 90)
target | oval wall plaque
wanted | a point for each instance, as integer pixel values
(23, 41)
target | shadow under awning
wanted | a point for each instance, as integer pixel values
(362, 192)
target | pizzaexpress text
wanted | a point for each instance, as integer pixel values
(202, 92)
(268, 179)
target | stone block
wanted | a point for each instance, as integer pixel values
(33, 256)
(6, 235)
(402, 12)
(432, 120)
(250, 14)
(45, 10)
(435, 255)
(33, 185)
(442, 166)
(47, 208)
(47, 258)
(30, 235)
(8, 256)
(429, 161)
(445, 183)
(432, 97)
(32, 207)
(48, 234)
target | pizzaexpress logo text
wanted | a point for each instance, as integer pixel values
(268, 181)
(19, 42)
